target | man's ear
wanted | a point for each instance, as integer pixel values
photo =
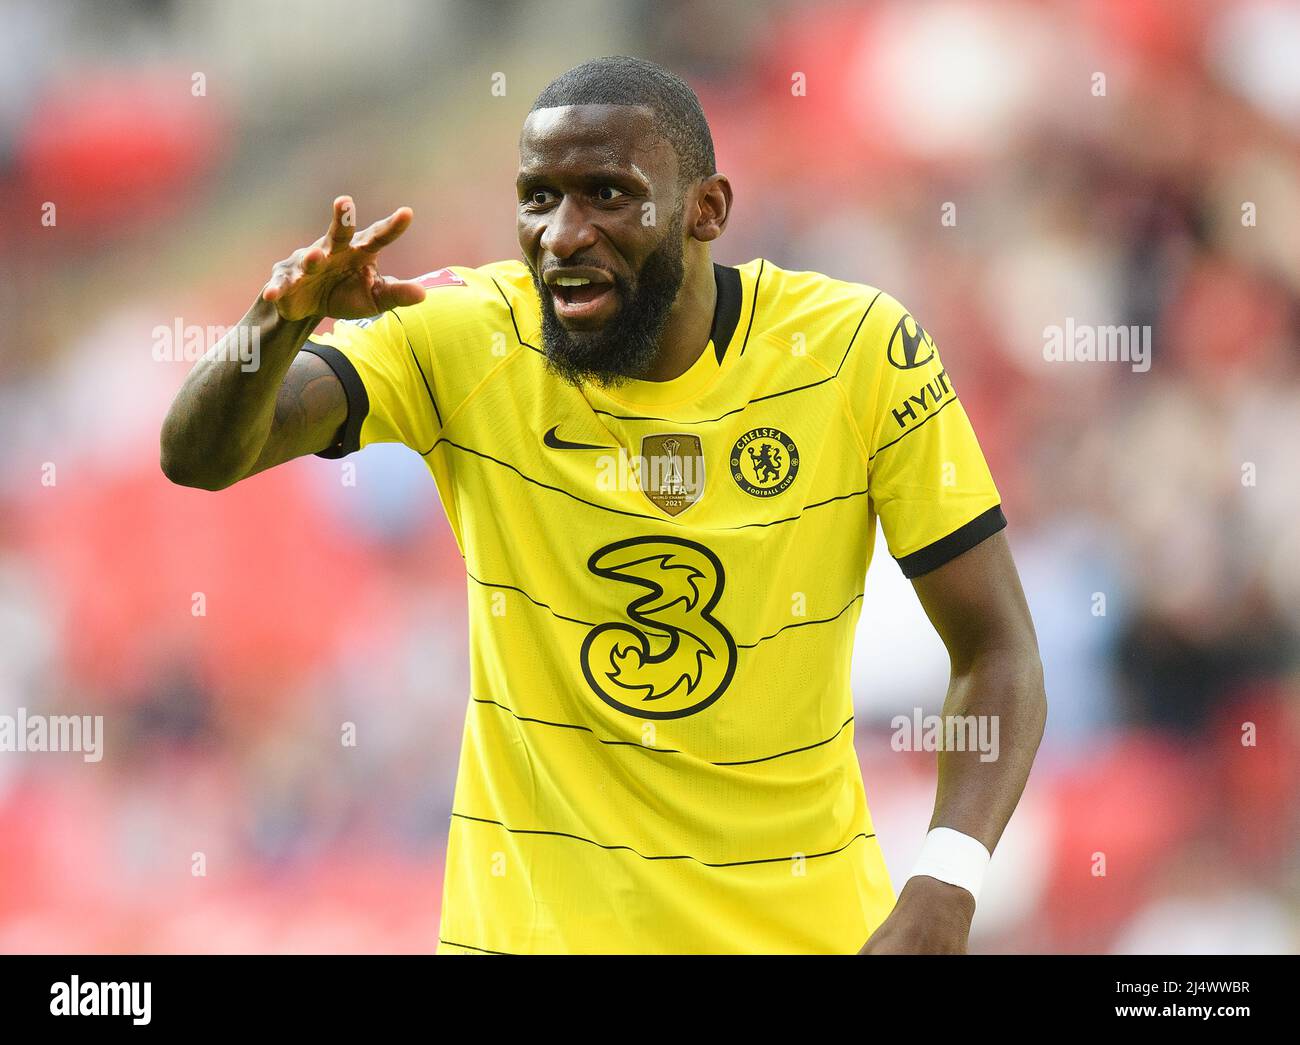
(712, 208)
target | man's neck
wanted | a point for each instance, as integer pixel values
(686, 334)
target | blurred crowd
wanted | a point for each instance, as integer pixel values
(1001, 168)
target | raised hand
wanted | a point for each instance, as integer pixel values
(337, 276)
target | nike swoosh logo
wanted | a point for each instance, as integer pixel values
(556, 443)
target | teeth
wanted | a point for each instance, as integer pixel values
(571, 281)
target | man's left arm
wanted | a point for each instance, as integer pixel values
(977, 606)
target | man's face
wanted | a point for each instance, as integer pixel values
(600, 225)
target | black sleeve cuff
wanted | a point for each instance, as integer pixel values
(945, 549)
(347, 440)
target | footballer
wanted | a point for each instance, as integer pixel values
(665, 476)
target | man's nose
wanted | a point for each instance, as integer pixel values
(568, 231)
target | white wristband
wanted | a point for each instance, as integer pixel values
(955, 858)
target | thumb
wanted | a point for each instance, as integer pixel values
(389, 292)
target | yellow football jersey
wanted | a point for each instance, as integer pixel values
(664, 582)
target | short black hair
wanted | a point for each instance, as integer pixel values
(619, 80)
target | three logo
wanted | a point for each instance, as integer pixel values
(673, 658)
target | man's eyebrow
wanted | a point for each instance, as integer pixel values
(594, 176)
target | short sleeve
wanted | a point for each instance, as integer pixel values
(927, 476)
(390, 398)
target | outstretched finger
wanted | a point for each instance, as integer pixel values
(382, 233)
(343, 224)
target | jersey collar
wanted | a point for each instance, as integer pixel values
(726, 313)
(707, 367)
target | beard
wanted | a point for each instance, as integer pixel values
(626, 346)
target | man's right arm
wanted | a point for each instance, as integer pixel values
(227, 422)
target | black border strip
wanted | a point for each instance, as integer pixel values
(945, 549)
(348, 438)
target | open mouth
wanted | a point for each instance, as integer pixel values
(579, 297)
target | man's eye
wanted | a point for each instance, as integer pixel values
(539, 197)
(608, 193)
